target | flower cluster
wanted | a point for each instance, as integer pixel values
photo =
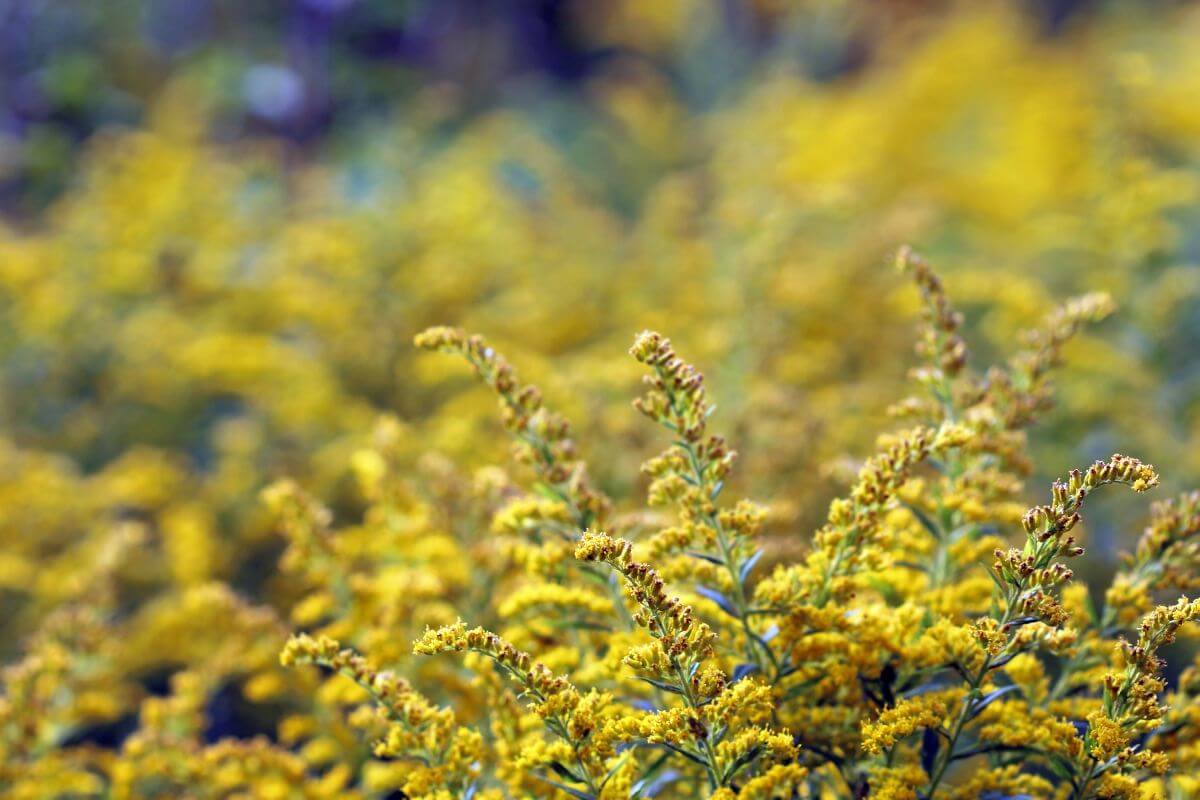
(216, 430)
(911, 650)
(682, 638)
(832, 674)
(1028, 577)
(570, 716)
(445, 758)
(543, 436)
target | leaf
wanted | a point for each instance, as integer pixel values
(930, 744)
(686, 754)
(615, 768)
(547, 492)
(1061, 767)
(796, 689)
(718, 598)
(716, 490)
(925, 521)
(760, 640)
(666, 687)
(990, 698)
(742, 760)
(991, 748)
(925, 688)
(1019, 621)
(645, 783)
(888, 591)
(996, 580)
(1090, 606)
(577, 794)
(748, 565)
(742, 670)
(998, 663)
(650, 788)
(705, 557)
(565, 773)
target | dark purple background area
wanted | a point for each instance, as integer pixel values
(307, 70)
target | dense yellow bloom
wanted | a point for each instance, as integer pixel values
(673, 624)
(554, 596)
(445, 757)
(898, 783)
(1005, 780)
(781, 780)
(191, 322)
(828, 672)
(902, 720)
(1035, 730)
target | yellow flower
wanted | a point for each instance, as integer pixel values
(902, 720)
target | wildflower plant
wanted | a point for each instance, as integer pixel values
(932, 642)
(216, 431)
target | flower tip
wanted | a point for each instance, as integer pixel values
(645, 345)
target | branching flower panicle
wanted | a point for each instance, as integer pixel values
(676, 664)
(569, 715)
(1112, 751)
(940, 344)
(692, 475)
(544, 437)
(1167, 556)
(683, 638)
(1026, 382)
(846, 544)
(1029, 577)
(445, 756)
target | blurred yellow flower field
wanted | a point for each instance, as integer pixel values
(319, 473)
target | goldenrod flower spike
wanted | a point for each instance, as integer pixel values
(1029, 576)
(683, 637)
(1167, 556)
(446, 756)
(1028, 579)
(691, 474)
(544, 437)
(848, 542)
(675, 663)
(1131, 707)
(566, 713)
(1025, 386)
(940, 345)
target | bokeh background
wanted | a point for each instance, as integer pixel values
(221, 224)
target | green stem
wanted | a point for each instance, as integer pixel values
(728, 553)
(972, 697)
(685, 689)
